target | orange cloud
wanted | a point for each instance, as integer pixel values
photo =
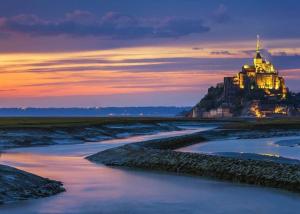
(115, 71)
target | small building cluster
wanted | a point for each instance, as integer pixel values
(217, 113)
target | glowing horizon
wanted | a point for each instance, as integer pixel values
(116, 71)
(127, 58)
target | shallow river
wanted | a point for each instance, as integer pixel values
(93, 188)
(277, 147)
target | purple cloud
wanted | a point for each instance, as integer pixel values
(111, 25)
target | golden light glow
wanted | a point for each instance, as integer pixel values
(262, 75)
(117, 71)
(256, 111)
(105, 72)
(280, 110)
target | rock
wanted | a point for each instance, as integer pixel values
(18, 185)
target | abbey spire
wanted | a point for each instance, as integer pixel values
(257, 44)
(258, 60)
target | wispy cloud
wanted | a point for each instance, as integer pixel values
(112, 25)
(221, 52)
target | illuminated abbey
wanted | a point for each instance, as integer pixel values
(262, 75)
(255, 91)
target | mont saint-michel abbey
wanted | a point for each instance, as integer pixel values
(256, 91)
(260, 75)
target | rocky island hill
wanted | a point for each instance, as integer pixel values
(256, 91)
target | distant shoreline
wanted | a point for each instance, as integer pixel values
(152, 111)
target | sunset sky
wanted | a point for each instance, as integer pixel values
(85, 53)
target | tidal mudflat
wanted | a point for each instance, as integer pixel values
(26, 132)
(158, 155)
(29, 132)
(94, 188)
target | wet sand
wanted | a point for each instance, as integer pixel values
(93, 188)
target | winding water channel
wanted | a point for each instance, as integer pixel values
(93, 188)
(281, 148)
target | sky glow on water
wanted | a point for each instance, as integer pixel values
(93, 188)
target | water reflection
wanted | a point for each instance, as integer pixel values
(95, 188)
(262, 146)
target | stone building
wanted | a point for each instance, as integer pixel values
(261, 75)
(257, 90)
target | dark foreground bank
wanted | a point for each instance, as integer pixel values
(157, 155)
(16, 185)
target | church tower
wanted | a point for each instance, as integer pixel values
(258, 60)
(261, 75)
